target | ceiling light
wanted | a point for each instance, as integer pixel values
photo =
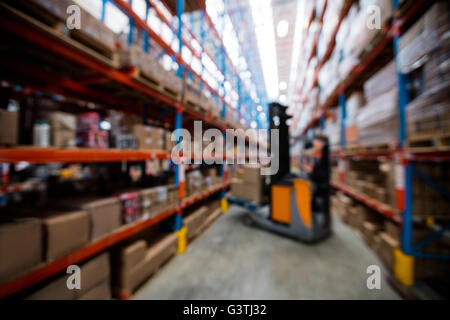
(259, 108)
(282, 28)
(283, 85)
(283, 98)
(265, 35)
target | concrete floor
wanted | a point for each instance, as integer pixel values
(232, 260)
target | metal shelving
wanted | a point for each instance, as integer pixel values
(39, 35)
(402, 157)
(375, 205)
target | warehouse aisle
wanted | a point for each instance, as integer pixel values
(234, 261)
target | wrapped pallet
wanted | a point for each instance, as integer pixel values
(380, 83)
(429, 114)
(425, 36)
(353, 105)
(378, 121)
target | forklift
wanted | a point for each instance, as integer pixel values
(299, 193)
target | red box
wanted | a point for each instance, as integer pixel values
(89, 121)
(93, 139)
(130, 206)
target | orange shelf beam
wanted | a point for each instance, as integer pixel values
(203, 195)
(382, 208)
(48, 270)
(52, 155)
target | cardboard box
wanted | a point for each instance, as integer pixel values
(252, 191)
(95, 33)
(95, 272)
(392, 229)
(63, 126)
(20, 246)
(65, 233)
(105, 214)
(252, 174)
(9, 128)
(158, 253)
(55, 290)
(386, 250)
(194, 222)
(131, 255)
(100, 292)
(237, 188)
(149, 137)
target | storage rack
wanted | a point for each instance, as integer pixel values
(39, 35)
(403, 157)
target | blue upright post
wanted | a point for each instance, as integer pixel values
(322, 123)
(202, 44)
(145, 33)
(103, 14)
(403, 100)
(130, 33)
(179, 116)
(343, 105)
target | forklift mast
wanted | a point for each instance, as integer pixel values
(278, 121)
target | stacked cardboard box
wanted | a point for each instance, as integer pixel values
(94, 33)
(95, 276)
(135, 263)
(195, 182)
(21, 246)
(150, 138)
(194, 222)
(9, 128)
(150, 69)
(428, 116)
(63, 126)
(369, 36)
(427, 201)
(378, 120)
(425, 36)
(211, 177)
(372, 178)
(353, 104)
(253, 183)
(48, 11)
(251, 187)
(333, 131)
(105, 214)
(64, 233)
(156, 200)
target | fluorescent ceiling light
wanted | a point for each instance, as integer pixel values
(283, 98)
(282, 28)
(283, 85)
(259, 108)
(263, 21)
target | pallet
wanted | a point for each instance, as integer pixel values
(429, 142)
(97, 46)
(206, 224)
(373, 149)
(153, 82)
(58, 30)
(122, 294)
(367, 49)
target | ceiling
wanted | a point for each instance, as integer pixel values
(282, 10)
